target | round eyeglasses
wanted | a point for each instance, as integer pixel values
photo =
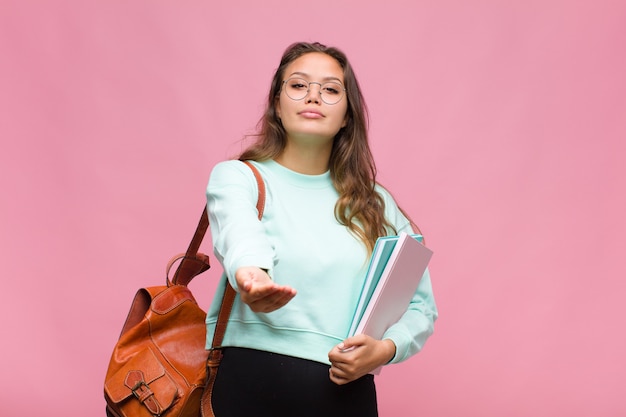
(297, 89)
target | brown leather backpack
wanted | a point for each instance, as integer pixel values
(159, 364)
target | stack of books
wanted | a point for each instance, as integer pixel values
(394, 272)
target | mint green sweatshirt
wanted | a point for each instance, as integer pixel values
(301, 244)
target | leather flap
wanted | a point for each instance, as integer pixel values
(171, 299)
(143, 366)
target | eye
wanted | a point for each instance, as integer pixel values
(297, 84)
(332, 89)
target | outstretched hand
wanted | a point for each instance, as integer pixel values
(357, 356)
(259, 292)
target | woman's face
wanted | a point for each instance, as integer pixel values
(311, 119)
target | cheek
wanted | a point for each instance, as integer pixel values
(345, 117)
(285, 104)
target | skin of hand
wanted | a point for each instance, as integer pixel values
(358, 355)
(259, 292)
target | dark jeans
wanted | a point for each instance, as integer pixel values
(253, 383)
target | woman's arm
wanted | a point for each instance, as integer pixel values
(361, 354)
(238, 236)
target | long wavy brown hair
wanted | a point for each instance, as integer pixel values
(353, 172)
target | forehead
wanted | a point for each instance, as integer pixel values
(315, 65)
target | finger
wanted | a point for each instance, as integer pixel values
(342, 353)
(258, 302)
(283, 297)
(359, 339)
(270, 305)
(269, 302)
(259, 291)
(337, 376)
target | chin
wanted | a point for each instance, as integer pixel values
(315, 137)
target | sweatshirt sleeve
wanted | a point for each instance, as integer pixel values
(238, 236)
(417, 324)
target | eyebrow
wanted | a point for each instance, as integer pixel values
(304, 74)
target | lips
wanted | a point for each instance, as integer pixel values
(311, 114)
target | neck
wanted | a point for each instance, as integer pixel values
(309, 160)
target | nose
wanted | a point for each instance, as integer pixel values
(314, 96)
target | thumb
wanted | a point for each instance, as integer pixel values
(347, 345)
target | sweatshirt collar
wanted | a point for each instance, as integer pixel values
(298, 179)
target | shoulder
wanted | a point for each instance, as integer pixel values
(393, 213)
(231, 171)
(231, 175)
(386, 195)
(229, 167)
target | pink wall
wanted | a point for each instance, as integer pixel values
(500, 127)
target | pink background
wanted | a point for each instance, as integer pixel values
(500, 126)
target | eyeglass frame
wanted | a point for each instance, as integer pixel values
(308, 89)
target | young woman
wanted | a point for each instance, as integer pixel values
(299, 271)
